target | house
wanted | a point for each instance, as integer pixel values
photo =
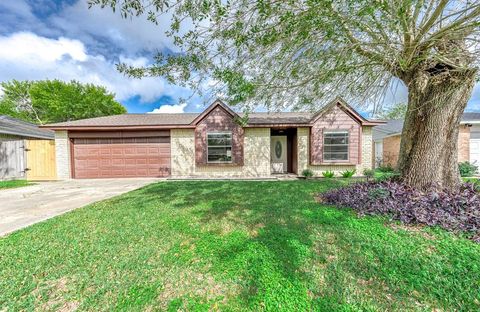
(16, 161)
(387, 138)
(214, 144)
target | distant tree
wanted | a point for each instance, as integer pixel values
(396, 111)
(48, 101)
(304, 52)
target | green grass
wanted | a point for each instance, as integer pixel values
(234, 246)
(13, 184)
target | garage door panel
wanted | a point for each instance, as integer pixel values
(94, 158)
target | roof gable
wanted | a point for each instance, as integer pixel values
(209, 109)
(339, 102)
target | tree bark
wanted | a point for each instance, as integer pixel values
(429, 147)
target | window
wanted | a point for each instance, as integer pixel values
(335, 146)
(219, 147)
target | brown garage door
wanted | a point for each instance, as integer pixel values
(121, 157)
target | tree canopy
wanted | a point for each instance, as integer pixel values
(396, 111)
(297, 53)
(49, 101)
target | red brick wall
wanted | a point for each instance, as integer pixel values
(391, 150)
(335, 119)
(463, 143)
(218, 120)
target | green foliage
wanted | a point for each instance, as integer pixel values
(467, 169)
(369, 173)
(307, 173)
(13, 184)
(348, 173)
(283, 54)
(396, 111)
(386, 175)
(234, 246)
(49, 101)
(385, 168)
(328, 174)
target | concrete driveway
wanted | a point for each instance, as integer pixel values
(24, 206)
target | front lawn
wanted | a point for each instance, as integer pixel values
(13, 183)
(234, 246)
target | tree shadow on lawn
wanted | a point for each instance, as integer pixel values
(292, 253)
(237, 246)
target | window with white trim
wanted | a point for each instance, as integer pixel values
(219, 147)
(335, 146)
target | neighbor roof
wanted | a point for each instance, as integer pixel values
(12, 126)
(395, 126)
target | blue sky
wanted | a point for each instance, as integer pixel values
(42, 39)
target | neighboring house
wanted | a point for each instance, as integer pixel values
(387, 137)
(214, 144)
(15, 138)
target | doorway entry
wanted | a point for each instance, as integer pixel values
(283, 150)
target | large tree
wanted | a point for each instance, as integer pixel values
(302, 53)
(47, 101)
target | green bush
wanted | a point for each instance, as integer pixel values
(386, 176)
(348, 173)
(385, 168)
(369, 173)
(328, 174)
(467, 169)
(307, 173)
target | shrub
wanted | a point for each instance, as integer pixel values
(348, 173)
(369, 173)
(386, 168)
(467, 169)
(387, 176)
(328, 174)
(307, 173)
(453, 210)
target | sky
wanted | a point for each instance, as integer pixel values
(48, 39)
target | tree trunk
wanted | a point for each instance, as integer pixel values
(429, 148)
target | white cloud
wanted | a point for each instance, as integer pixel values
(170, 109)
(27, 56)
(29, 48)
(131, 35)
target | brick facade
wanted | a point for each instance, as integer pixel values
(463, 143)
(256, 156)
(335, 119)
(303, 135)
(62, 155)
(391, 150)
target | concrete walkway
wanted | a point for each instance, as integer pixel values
(21, 207)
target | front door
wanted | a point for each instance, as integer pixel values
(278, 152)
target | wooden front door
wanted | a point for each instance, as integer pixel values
(41, 160)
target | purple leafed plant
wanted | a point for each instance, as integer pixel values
(452, 210)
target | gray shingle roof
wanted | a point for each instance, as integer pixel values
(131, 120)
(12, 126)
(180, 119)
(471, 116)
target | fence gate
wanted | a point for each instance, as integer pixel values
(41, 160)
(12, 160)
